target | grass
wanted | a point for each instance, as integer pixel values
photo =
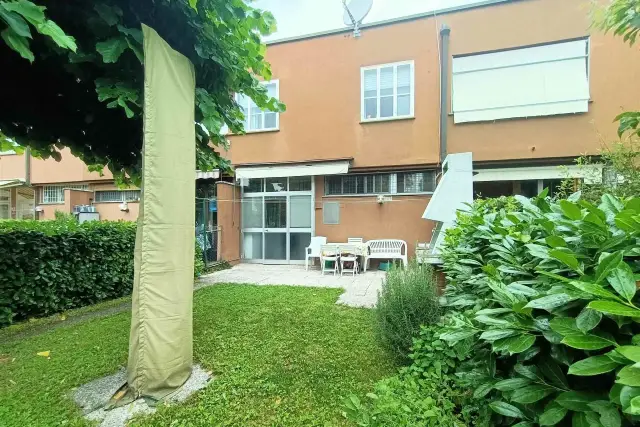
(281, 356)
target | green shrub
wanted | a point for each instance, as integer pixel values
(198, 261)
(50, 266)
(543, 301)
(408, 299)
(422, 394)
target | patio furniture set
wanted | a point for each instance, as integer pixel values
(354, 255)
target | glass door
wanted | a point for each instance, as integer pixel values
(277, 219)
(275, 229)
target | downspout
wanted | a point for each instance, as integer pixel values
(444, 85)
(27, 166)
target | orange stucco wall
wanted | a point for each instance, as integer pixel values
(320, 85)
(365, 217)
(229, 221)
(69, 169)
(111, 211)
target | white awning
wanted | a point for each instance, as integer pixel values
(214, 174)
(590, 173)
(308, 169)
(12, 183)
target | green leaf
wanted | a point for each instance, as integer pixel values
(482, 390)
(586, 342)
(29, 11)
(564, 326)
(629, 375)
(622, 280)
(538, 251)
(15, 21)
(552, 415)
(627, 394)
(583, 419)
(531, 394)
(566, 258)
(511, 384)
(614, 393)
(487, 320)
(614, 308)
(17, 43)
(552, 371)
(606, 264)
(595, 365)
(631, 352)
(457, 335)
(575, 400)
(593, 289)
(571, 210)
(609, 415)
(549, 302)
(503, 408)
(496, 334)
(519, 289)
(521, 343)
(588, 319)
(112, 49)
(528, 371)
(194, 4)
(51, 29)
(634, 406)
(556, 242)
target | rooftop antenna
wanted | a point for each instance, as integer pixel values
(355, 12)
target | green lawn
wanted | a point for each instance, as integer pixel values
(281, 356)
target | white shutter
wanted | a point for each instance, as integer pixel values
(404, 79)
(370, 82)
(535, 81)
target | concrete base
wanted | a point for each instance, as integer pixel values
(93, 397)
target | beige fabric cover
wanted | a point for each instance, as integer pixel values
(160, 344)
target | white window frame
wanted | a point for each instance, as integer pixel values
(412, 91)
(263, 129)
(393, 184)
(121, 193)
(60, 188)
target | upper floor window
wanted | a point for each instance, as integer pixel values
(256, 119)
(387, 91)
(55, 193)
(380, 183)
(531, 81)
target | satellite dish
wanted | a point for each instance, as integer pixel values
(355, 12)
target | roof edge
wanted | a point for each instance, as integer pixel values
(436, 12)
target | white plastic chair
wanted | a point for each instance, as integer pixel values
(355, 240)
(348, 253)
(313, 250)
(329, 254)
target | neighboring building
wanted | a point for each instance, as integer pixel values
(527, 87)
(32, 188)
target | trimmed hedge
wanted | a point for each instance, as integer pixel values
(50, 266)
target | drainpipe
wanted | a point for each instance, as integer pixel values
(444, 85)
(27, 166)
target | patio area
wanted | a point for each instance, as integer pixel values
(360, 290)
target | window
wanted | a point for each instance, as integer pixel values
(276, 185)
(416, 182)
(55, 193)
(5, 203)
(256, 119)
(381, 183)
(387, 91)
(331, 213)
(525, 82)
(117, 196)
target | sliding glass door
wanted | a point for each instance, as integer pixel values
(277, 219)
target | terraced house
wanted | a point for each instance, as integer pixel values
(524, 85)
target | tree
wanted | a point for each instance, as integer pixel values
(80, 83)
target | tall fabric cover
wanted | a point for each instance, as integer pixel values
(160, 344)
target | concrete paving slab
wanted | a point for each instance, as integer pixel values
(361, 290)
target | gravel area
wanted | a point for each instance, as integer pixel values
(92, 397)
